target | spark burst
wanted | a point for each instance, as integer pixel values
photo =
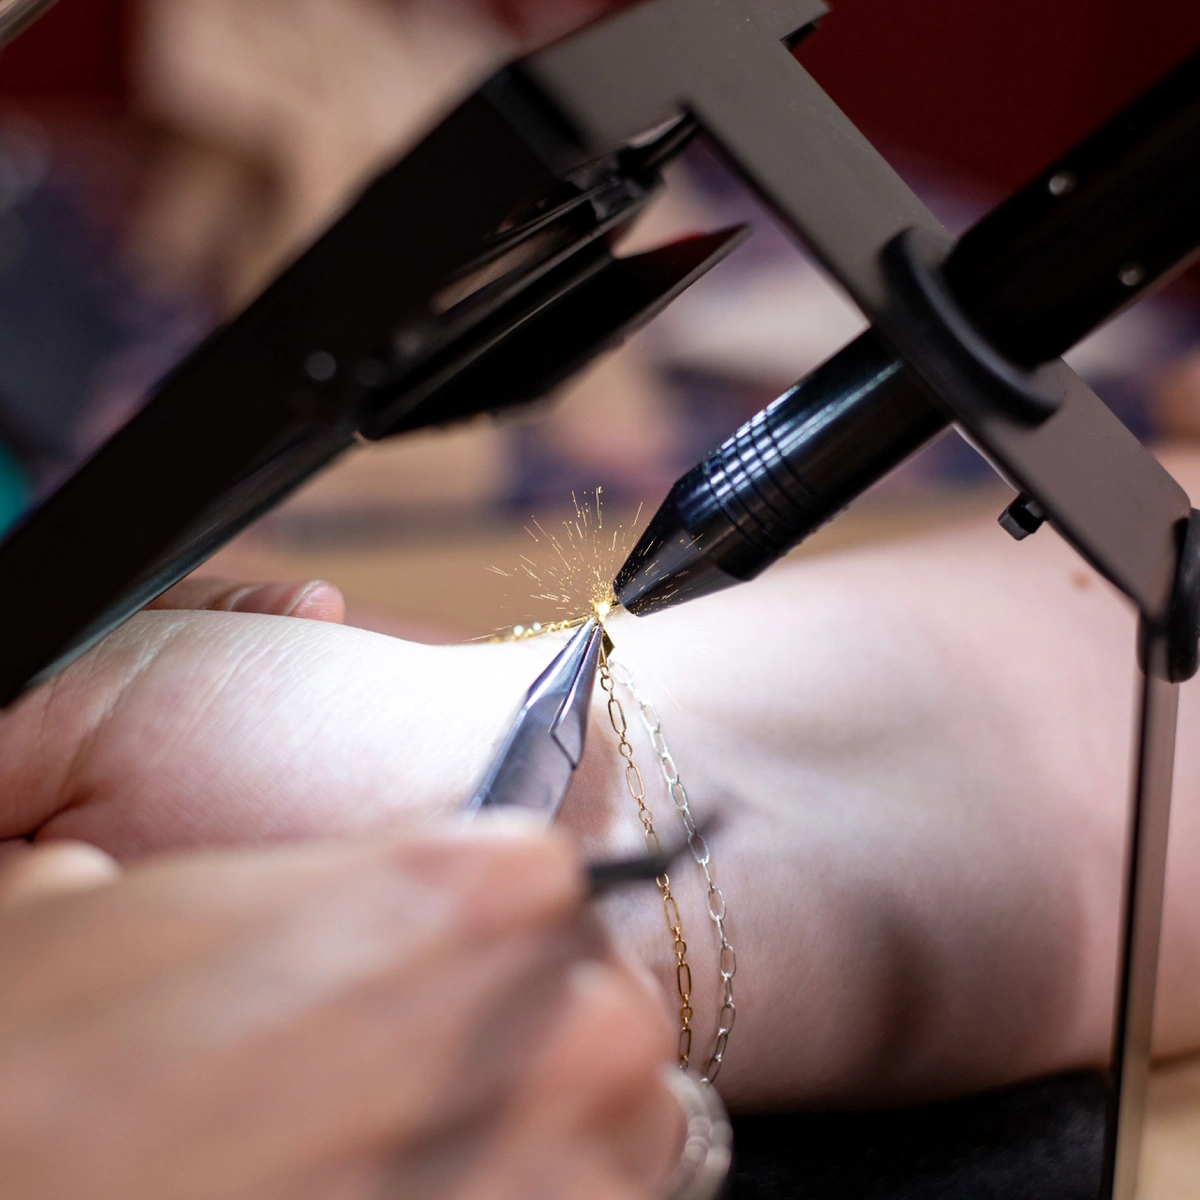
(574, 570)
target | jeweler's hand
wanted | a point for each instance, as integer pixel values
(428, 1018)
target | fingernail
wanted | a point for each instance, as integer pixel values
(319, 601)
(646, 979)
(277, 599)
(591, 979)
(506, 824)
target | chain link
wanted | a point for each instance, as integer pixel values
(637, 789)
(619, 673)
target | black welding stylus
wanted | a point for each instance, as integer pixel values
(1118, 215)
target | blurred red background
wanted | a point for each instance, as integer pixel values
(993, 90)
(76, 51)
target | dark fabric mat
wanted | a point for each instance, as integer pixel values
(1039, 1141)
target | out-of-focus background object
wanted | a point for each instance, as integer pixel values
(161, 159)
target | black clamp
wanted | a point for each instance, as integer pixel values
(943, 345)
(1179, 635)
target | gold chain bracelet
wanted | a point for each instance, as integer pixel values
(701, 855)
(614, 673)
(637, 789)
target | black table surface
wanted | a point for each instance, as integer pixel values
(1038, 1141)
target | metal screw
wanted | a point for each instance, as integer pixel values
(1023, 517)
(321, 367)
(1062, 184)
(1131, 274)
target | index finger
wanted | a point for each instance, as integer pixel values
(502, 869)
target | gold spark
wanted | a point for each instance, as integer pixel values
(574, 569)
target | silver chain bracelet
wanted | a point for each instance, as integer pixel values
(701, 855)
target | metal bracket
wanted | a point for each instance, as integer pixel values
(962, 361)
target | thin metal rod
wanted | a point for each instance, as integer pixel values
(1142, 909)
(17, 15)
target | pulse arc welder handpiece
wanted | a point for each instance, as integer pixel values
(779, 479)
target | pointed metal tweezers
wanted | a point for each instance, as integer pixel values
(544, 745)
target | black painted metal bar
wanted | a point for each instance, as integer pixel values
(1145, 879)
